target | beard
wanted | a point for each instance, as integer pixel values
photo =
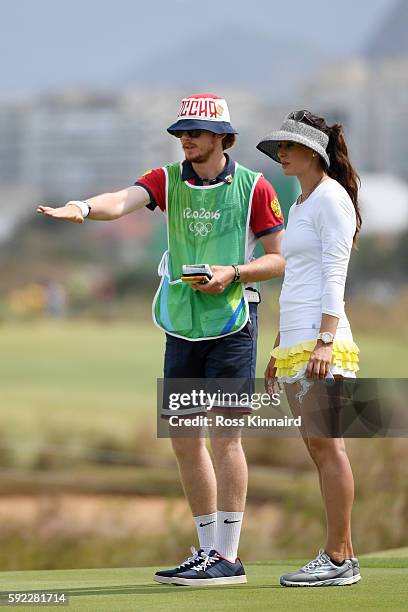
(200, 157)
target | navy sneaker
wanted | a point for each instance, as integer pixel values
(166, 576)
(212, 571)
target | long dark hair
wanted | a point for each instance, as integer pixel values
(340, 168)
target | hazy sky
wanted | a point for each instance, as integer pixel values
(46, 44)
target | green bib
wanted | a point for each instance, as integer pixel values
(204, 225)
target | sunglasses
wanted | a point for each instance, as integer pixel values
(190, 133)
(305, 116)
(299, 115)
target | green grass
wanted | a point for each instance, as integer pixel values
(124, 359)
(85, 377)
(393, 553)
(98, 380)
(383, 587)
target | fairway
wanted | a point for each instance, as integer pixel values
(383, 587)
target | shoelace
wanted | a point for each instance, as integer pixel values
(194, 556)
(207, 561)
(320, 560)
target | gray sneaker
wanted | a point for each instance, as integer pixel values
(322, 572)
(356, 568)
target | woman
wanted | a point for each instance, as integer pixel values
(315, 340)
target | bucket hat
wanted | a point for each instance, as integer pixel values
(204, 111)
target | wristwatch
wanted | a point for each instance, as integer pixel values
(237, 276)
(83, 207)
(326, 337)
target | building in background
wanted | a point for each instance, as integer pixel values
(78, 143)
(369, 95)
(380, 194)
(72, 144)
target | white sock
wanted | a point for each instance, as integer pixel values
(228, 532)
(206, 525)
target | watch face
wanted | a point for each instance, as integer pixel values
(327, 337)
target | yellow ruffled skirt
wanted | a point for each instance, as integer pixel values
(291, 360)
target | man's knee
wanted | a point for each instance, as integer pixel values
(225, 447)
(323, 450)
(187, 448)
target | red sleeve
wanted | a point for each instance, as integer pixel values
(266, 214)
(154, 181)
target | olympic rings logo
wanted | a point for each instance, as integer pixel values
(199, 228)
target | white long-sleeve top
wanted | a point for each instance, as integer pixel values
(317, 246)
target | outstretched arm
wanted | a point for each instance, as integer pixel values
(104, 207)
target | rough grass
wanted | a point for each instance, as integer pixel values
(99, 380)
(69, 387)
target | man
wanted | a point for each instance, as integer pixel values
(215, 210)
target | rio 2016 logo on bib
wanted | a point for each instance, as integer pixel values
(198, 228)
(201, 225)
(201, 214)
(200, 222)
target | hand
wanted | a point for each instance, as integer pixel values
(270, 381)
(222, 277)
(319, 361)
(69, 212)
